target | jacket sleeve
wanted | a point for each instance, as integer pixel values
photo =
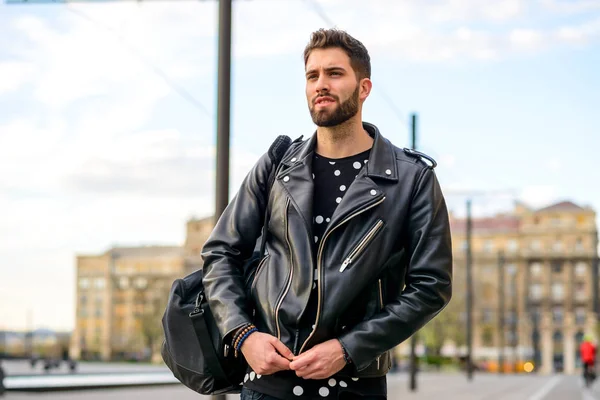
(230, 244)
(428, 278)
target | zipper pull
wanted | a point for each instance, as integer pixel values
(345, 264)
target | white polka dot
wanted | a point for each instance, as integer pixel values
(337, 172)
(343, 384)
(260, 376)
(331, 382)
(313, 176)
(324, 392)
(338, 200)
(328, 219)
(357, 165)
(298, 391)
(343, 187)
(316, 275)
(332, 162)
(366, 161)
(319, 219)
(313, 327)
(315, 285)
(354, 379)
(252, 375)
(246, 378)
(316, 239)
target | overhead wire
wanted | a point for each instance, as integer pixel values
(186, 95)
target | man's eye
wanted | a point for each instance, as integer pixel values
(335, 73)
(311, 77)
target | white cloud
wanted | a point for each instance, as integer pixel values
(538, 195)
(13, 75)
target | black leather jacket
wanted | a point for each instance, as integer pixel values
(384, 263)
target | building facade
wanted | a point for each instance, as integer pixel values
(121, 295)
(533, 283)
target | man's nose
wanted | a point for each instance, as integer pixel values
(322, 84)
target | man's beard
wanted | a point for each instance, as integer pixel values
(341, 114)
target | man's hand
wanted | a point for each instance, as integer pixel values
(321, 361)
(266, 354)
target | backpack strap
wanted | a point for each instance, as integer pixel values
(276, 152)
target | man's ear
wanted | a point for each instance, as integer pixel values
(365, 88)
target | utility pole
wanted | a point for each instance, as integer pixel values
(224, 114)
(501, 261)
(413, 340)
(469, 262)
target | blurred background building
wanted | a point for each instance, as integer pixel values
(121, 295)
(539, 264)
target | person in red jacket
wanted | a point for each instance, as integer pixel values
(587, 349)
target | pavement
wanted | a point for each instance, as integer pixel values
(434, 386)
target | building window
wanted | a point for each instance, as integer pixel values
(512, 245)
(557, 315)
(535, 291)
(579, 245)
(486, 315)
(123, 282)
(580, 269)
(141, 283)
(536, 245)
(84, 283)
(557, 267)
(488, 246)
(536, 269)
(99, 283)
(580, 294)
(580, 316)
(557, 246)
(558, 291)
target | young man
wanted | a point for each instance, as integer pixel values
(358, 252)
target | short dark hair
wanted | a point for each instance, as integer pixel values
(331, 38)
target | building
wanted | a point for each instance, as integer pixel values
(121, 295)
(537, 266)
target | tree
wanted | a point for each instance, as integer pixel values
(449, 324)
(150, 319)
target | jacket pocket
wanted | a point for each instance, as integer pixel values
(257, 271)
(362, 244)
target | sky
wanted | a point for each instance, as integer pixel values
(108, 127)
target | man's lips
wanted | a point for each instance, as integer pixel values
(322, 101)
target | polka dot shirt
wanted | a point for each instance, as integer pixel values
(332, 178)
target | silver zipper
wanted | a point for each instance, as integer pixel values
(319, 260)
(289, 282)
(361, 245)
(380, 296)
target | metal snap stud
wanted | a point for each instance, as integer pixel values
(388, 171)
(286, 178)
(373, 192)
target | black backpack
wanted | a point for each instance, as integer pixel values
(193, 347)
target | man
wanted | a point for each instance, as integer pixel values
(358, 252)
(587, 350)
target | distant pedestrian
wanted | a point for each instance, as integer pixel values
(359, 254)
(587, 351)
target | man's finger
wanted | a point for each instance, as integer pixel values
(302, 361)
(281, 363)
(282, 349)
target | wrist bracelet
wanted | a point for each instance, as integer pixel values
(239, 333)
(242, 339)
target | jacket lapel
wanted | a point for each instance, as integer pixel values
(296, 178)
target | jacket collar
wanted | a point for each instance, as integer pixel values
(382, 159)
